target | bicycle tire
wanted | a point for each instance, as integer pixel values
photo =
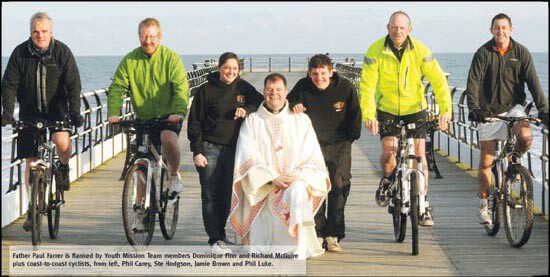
(130, 210)
(168, 216)
(54, 209)
(399, 219)
(413, 212)
(494, 200)
(518, 206)
(36, 179)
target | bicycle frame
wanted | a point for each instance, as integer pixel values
(45, 163)
(154, 162)
(405, 167)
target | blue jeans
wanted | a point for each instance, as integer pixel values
(216, 186)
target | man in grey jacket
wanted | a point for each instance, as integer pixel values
(496, 86)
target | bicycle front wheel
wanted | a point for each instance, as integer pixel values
(399, 219)
(518, 206)
(138, 221)
(37, 200)
(414, 212)
(54, 209)
(168, 216)
(494, 201)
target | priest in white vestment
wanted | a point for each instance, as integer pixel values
(280, 178)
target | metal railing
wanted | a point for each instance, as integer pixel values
(461, 140)
(94, 142)
(282, 64)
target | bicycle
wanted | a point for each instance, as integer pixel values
(512, 189)
(46, 197)
(406, 192)
(147, 168)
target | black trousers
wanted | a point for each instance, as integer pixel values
(329, 221)
(216, 185)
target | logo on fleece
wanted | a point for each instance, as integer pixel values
(338, 106)
(240, 99)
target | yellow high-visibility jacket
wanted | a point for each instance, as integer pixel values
(396, 87)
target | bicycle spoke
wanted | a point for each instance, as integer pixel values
(518, 207)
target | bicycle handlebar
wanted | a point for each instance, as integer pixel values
(408, 126)
(144, 123)
(511, 119)
(41, 124)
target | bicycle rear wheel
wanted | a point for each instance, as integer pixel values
(54, 208)
(168, 216)
(399, 219)
(139, 222)
(37, 200)
(494, 201)
(413, 212)
(518, 206)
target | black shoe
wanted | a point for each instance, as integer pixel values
(27, 225)
(382, 193)
(62, 177)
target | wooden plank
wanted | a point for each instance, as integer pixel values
(456, 245)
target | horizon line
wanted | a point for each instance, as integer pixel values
(216, 54)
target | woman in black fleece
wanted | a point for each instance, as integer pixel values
(216, 114)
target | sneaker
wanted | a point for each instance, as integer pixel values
(27, 225)
(175, 184)
(427, 218)
(333, 245)
(62, 177)
(382, 193)
(484, 216)
(137, 225)
(219, 247)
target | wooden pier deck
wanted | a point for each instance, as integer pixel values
(455, 245)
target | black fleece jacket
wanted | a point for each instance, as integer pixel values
(334, 112)
(213, 109)
(23, 76)
(496, 83)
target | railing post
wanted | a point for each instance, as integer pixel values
(250, 64)
(269, 64)
(288, 64)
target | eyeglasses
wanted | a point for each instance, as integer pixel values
(151, 38)
(271, 90)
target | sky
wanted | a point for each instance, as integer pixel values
(110, 28)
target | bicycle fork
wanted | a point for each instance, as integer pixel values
(42, 166)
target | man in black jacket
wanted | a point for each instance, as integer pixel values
(496, 86)
(42, 73)
(332, 104)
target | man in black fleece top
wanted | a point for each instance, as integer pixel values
(215, 117)
(332, 104)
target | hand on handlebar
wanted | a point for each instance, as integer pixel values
(372, 126)
(544, 118)
(113, 119)
(175, 119)
(478, 116)
(444, 119)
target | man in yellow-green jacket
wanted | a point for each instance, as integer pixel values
(391, 90)
(157, 82)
